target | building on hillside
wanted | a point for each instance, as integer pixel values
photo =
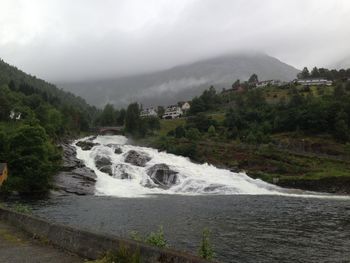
(172, 112)
(15, 115)
(149, 112)
(185, 106)
(265, 83)
(3, 172)
(314, 82)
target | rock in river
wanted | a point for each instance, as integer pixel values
(137, 158)
(162, 175)
(101, 161)
(86, 145)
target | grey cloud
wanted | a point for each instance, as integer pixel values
(62, 40)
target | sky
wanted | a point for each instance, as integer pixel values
(73, 40)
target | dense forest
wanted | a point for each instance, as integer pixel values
(34, 116)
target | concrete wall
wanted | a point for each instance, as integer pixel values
(91, 245)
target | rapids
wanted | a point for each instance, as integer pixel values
(192, 178)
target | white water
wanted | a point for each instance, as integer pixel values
(193, 179)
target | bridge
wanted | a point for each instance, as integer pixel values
(118, 130)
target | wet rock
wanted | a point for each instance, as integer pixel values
(86, 145)
(69, 160)
(101, 161)
(80, 181)
(121, 171)
(118, 151)
(162, 175)
(137, 158)
(107, 169)
(85, 172)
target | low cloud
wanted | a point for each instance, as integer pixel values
(62, 40)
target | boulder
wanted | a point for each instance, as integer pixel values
(86, 145)
(116, 147)
(118, 151)
(101, 161)
(137, 158)
(70, 161)
(106, 169)
(162, 175)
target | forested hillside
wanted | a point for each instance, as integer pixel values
(34, 115)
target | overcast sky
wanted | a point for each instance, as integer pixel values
(65, 40)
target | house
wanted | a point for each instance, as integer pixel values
(185, 106)
(15, 115)
(314, 82)
(172, 112)
(265, 83)
(149, 112)
(3, 172)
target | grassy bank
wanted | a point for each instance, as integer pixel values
(309, 162)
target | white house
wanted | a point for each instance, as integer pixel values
(185, 106)
(265, 83)
(172, 112)
(314, 82)
(15, 115)
(149, 112)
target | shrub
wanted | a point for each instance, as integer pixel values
(193, 134)
(205, 249)
(211, 131)
(156, 239)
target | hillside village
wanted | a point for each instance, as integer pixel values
(182, 108)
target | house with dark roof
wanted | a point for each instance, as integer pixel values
(3, 172)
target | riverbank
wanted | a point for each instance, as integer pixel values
(289, 160)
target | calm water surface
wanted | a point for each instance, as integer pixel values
(244, 228)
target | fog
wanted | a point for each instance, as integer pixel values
(63, 40)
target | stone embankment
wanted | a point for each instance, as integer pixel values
(89, 245)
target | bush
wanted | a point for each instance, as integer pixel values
(180, 132)
(156, 239)
(211, 131)
(193, 134)
(205, 249)
(32, 160)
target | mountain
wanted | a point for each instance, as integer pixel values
(59, 112)
(344, 63)
(181, 82)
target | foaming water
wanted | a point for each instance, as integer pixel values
(192, 179)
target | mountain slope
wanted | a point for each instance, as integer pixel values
(181, 82)
(10, 73)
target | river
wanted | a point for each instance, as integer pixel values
(249, 220)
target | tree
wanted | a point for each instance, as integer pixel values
(339, 91)
(341, 128)
(236, 84)
(180, 132)
(160, 111)
(108, 116)
(32, 160)
(253, 79)
(121, 117)
(197, 105)
(315, 73)
(304, 74)
(193, 134)
(132, 119)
